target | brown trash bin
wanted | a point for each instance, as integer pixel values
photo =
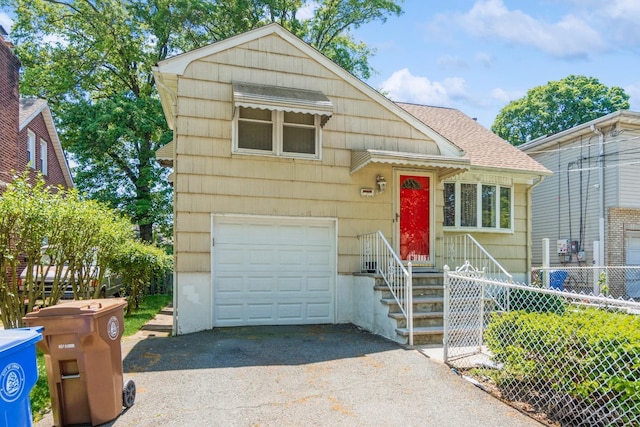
(81, 342)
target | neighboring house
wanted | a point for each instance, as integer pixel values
(593, 195)
(9, 110)
(39, 146)
(28, 137)
(281, 159)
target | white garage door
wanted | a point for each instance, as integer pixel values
(273, 271)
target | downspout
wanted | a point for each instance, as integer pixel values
(600, 192)
(530, 223)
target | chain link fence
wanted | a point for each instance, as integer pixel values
(617, 281)
(570, 355)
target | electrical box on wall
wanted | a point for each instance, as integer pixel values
(575, 247)
(563, 246)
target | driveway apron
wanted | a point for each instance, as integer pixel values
(328, 375)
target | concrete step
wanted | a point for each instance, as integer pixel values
(419, 279)
(420, 304)
(431, 318)
(423, 335)
(418, 290)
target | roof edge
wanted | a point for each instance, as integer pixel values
(178, 64)
(543, 141)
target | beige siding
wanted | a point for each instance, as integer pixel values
(208, 178)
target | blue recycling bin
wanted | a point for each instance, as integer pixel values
(18, 374)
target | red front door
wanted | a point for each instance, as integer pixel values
(414, 218)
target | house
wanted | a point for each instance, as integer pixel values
(282, 160)
(39, 146)
(28, 136)
(9, 106)
(590, 208)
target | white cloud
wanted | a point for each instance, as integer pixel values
(633, 91)
(403, 86)
(451, 61)
(619, 20)
(571, 36)
(504, 97)
(484, 58)
(307, 11)
(6, 21)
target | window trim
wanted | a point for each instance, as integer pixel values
(478, 227)
(277, 137)
(31, 149)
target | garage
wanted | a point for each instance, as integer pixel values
(273, 270)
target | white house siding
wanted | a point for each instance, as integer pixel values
(557, 201)
(560, 195)
(629, 172)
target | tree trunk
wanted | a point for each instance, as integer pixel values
(146, 232)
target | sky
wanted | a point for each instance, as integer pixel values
(478, 55)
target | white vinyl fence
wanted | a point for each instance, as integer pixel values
(573, 356)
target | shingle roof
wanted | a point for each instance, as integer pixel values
(29, 107)
(483, 147)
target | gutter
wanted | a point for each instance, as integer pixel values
(530, 222)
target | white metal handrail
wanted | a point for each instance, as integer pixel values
(460, 249)
(377, 256)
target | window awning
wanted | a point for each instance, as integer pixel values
(446, 166)
(265, 97)
(164, 155)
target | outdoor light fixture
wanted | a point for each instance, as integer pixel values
(382, 183)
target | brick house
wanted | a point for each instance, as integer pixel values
(9, 107)
(28, 135)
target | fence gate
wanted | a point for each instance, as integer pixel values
(464, 313)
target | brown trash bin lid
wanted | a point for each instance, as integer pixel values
(93, 307)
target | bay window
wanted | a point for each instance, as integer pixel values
(478, 206)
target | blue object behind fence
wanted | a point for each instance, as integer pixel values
(557, 278)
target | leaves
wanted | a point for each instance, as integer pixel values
(557, 106)
(92, 60)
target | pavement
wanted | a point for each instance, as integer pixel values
(319, 375)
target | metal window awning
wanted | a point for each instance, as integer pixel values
(164, 155)
(266, 97)
(446, 166)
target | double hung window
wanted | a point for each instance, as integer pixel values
(31, 149)
(279, 133)
(279, 121)
(43, 157)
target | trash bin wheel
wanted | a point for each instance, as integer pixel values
(128, 394)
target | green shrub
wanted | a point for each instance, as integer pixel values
(531, 301)
(591, 356)
(137, 263)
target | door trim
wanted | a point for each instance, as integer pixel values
(396, 216)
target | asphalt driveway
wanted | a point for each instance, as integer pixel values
(332, 375)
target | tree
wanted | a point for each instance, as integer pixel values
(557, 106)
(57, 235)
(92, 60)
(138, 263)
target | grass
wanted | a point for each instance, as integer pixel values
(151, 306)
(40, 398)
